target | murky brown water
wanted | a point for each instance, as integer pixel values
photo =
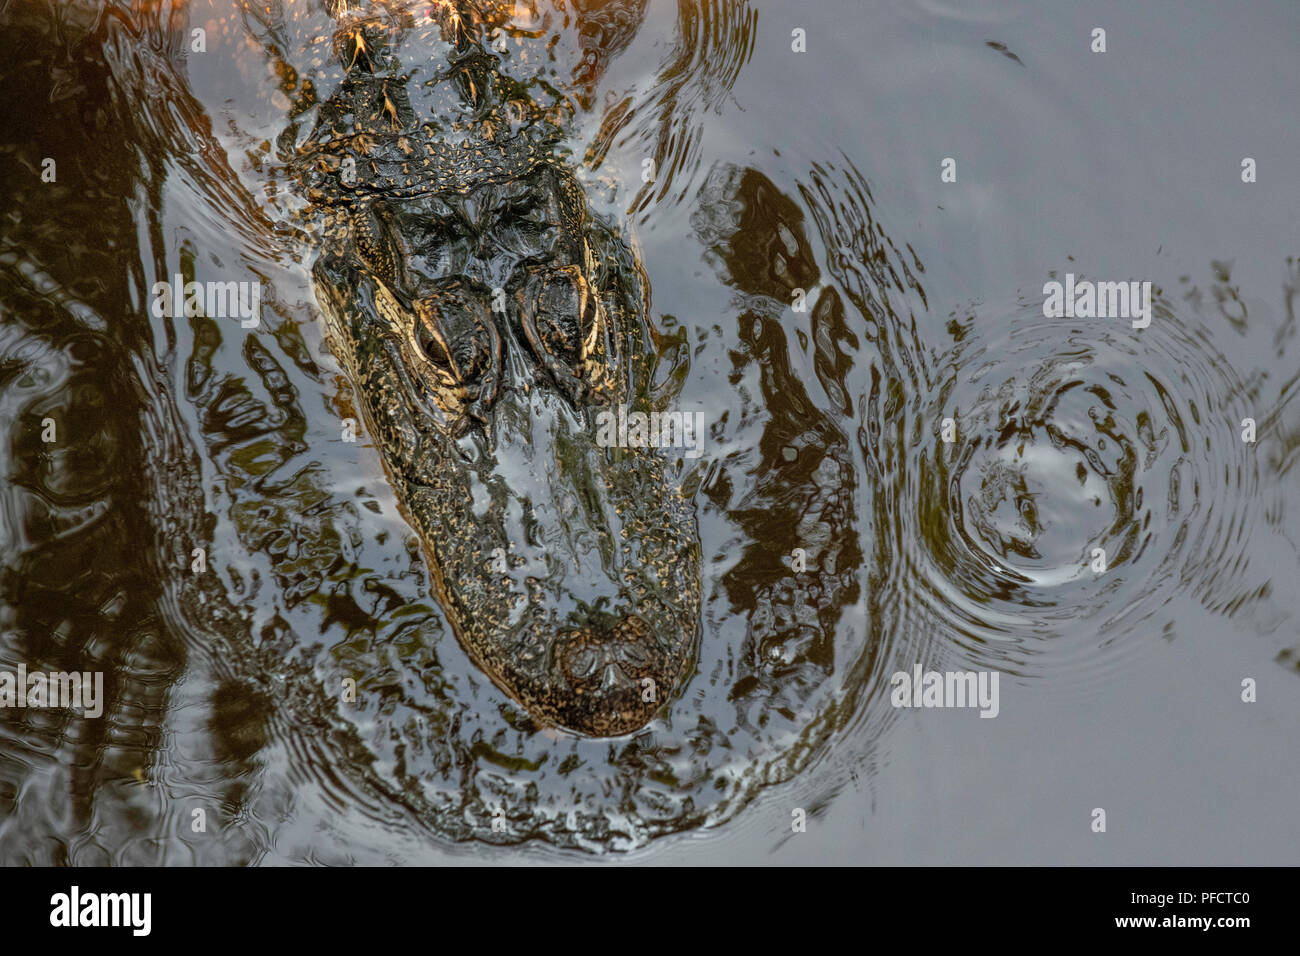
(777, 171)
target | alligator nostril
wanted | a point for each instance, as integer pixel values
(634, 654)
(582, 661)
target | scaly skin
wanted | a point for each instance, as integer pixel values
(570, 572)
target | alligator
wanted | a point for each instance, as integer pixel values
(486, 318)
(218, 450)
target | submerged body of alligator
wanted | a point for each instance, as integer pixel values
(486, 318)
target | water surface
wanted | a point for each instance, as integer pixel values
(776, 172)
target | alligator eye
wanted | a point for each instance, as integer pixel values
(590, 322)
(429, 338)
(556, 309)
(583, 661)
(432, 348)
(558, 331)
(454, 331)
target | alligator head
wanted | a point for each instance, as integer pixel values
(487, 319)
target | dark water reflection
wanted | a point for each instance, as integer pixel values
(843, 538)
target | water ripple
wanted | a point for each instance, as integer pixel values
(1092, 473)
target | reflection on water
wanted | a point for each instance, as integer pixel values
(892, 474)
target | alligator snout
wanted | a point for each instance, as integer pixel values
(615, 677)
